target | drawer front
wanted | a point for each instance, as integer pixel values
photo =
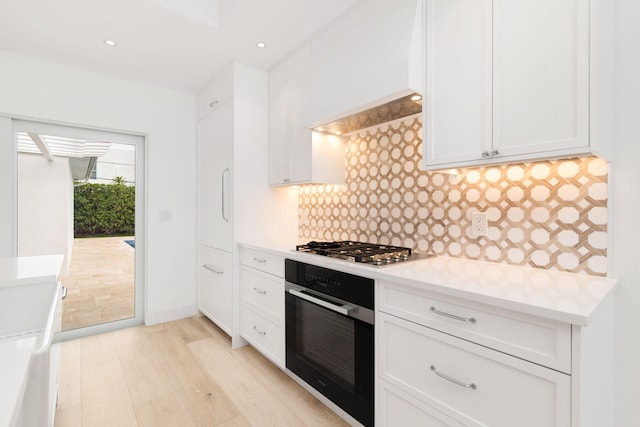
(215, 287)
(399, 409)
(263, 290)
(263, 334)
(539, 340)
(469, 382)
(268, 263)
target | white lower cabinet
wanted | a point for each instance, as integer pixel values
(215, 287)
(470, 383)
(262, 303)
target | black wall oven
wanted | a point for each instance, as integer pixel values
(330, 335)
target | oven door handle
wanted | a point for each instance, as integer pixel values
(342, 309)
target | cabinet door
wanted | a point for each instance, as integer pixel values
(457, 114)
(541, 76)
(215, 139)
(300, 142)
(215, 286)
(279, 133)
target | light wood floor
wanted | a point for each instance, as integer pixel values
(100, 282)
(176, 374)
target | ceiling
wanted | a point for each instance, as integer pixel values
(167, 43)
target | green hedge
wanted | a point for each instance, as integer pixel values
(104, 210)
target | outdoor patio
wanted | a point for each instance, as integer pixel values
(100, 282)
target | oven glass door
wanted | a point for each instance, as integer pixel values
(333, 353)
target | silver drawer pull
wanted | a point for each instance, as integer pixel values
(471, 320)
(259, 259)
(472, 386)
(260, 291)
(255, 328)
(213, 269)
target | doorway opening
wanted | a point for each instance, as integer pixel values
(80, 193)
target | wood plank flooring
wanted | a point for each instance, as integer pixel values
(176, 374)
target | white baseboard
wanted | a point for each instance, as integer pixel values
(153, 318)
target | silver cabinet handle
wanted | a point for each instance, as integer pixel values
(494, 153)
(472, 386)
(213, 269)
(471, 320)
(224, 184)
(485, 155)
(64, 292)
(255, 328)
(345, 309)
(259, 259)
(260, 291)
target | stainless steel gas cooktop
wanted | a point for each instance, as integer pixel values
(366, 253)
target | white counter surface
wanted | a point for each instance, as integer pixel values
(29, 270)
(566, 297)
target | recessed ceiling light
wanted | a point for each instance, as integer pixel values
(110, 43)
(261, 45)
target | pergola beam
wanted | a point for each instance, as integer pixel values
(42, 146)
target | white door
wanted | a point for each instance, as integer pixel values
(279, 124)
(215, 145)
(541, 76)
(457, 116)
(300, 144)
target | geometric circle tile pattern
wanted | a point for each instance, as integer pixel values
(550, 214)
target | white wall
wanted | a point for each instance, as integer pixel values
(626, 211)
(44, 203)
(47, 91)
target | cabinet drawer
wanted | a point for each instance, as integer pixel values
(396, 408)
(469, 382)
(263, 290)
(262, 333)
(268, 263)
(539, 340)
(215, 289)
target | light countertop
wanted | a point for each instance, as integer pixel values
(29, 270)
(566, 297)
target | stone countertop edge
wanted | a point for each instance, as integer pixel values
(29, 270)
(555, 295)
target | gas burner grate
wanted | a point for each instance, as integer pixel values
(368, 253)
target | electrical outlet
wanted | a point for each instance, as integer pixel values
(479, 224)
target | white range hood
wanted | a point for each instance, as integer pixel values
(371, 56)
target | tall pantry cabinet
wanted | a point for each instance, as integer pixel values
(235, 201)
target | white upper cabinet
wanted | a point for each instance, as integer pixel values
(295, 155)
(457, 101)
(366, 58)
(506, 81)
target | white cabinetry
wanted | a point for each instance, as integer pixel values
(506, 81)
(215, 145)
(449, 361)
(262, 303)
(235, 201)
(215, 286)
(296, 156)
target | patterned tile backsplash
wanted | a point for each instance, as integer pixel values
(550, 214)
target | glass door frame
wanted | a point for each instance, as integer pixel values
(139, 141)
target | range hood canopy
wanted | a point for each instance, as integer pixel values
(398, 108)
